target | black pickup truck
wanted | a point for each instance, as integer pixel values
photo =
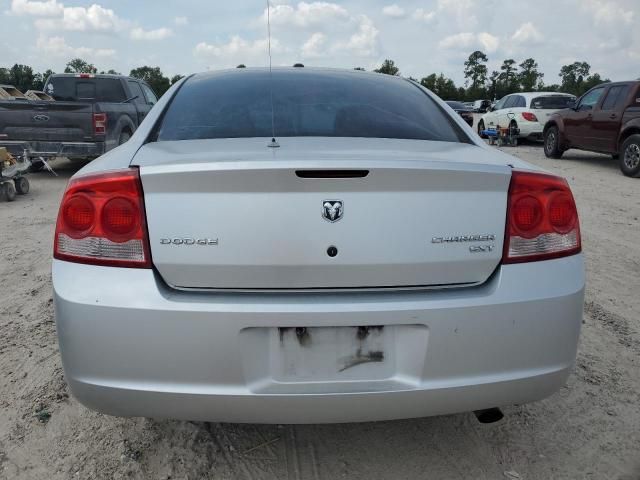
(91, 115)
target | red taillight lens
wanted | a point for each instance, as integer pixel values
(527, 213)
(78, 214)
(529, 117)
(102, 221)
(100, 123)
(542, 219)
(120, 217)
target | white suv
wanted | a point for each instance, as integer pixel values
(527, 111)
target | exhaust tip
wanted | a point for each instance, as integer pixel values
(489, 415)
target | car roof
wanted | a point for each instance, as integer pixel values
(621, 82)
(337, 72)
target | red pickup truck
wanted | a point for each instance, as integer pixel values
(606, 119)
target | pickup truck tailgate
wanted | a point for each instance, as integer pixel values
(46, 121)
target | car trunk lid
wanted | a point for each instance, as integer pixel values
(234, 214)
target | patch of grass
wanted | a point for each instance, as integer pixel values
(42, 414)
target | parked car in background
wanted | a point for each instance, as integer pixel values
(469, 105)
(91, 115)
(481, 106)
(376, 261)
(461, 109)
(527, 111)
(606, 119)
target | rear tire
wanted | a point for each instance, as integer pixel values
(481, 128)
(630, 156)
(7, 191)
(552, 143)
(124, 137)
(22, 185)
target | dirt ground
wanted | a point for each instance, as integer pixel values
(588, 430)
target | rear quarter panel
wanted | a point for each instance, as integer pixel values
(630, 122)
(557, 120)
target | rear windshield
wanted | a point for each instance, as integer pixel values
(306, 103)
(552, 102)
(91, 89)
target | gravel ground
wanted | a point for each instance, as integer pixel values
(590, 429)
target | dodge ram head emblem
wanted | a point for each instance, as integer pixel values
(332, 210)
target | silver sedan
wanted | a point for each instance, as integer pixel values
(313, 246)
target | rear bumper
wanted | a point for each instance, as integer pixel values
(530, 130)
(132, 347)
(47, 149)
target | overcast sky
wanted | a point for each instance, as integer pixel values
(185, 36)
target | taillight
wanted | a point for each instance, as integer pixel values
(529, 117)
(542, 219)
(102, 221)
(99, 123)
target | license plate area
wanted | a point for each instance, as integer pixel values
(332, 353)
(333, 359)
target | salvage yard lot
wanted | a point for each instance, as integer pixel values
(590, 429)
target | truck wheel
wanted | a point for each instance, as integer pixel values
(36, 166)
(551, 143)
(124, 137)
(630, 156)
(22, 185)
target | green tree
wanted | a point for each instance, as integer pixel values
(475, 71)
(40, 78)
(21, 77)
(78, 65)
(591, 81)
(551, 88)
(576, 78)
(5, 76)
(154, 78)
(429, 82)
(573, 76)
(388, 67)
(111, 71)
(177, 78)
(494, 86)
(442, 86)
(529, 77)
(508, 76)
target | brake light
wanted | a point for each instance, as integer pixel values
(529, 117)
(99, 123)
(542, 219)
(85, 75)
(101, 221)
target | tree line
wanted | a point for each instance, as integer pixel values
(575, 78)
